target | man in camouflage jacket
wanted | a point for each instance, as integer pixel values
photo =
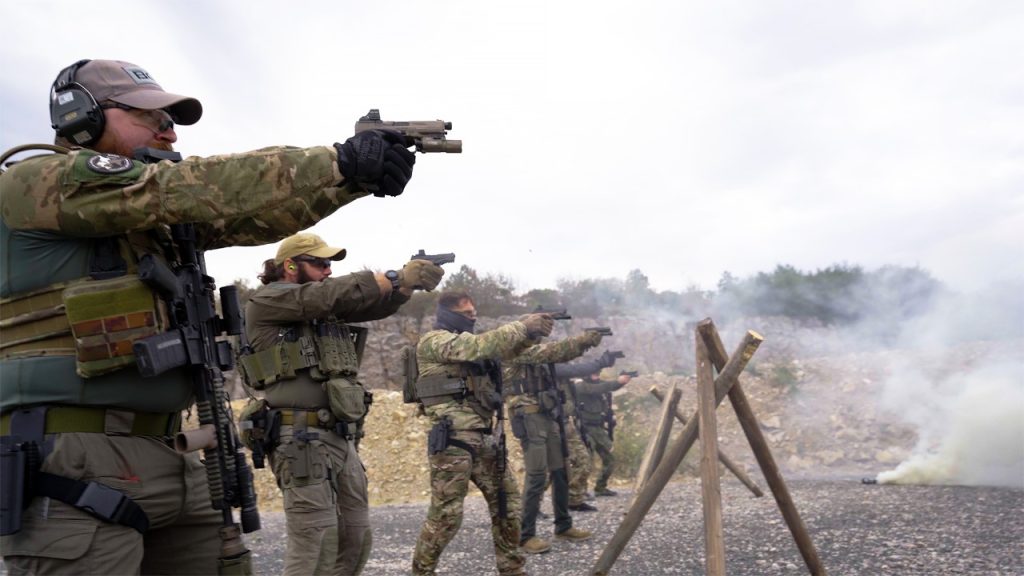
(302, 314)
(458, 394)
(77, 222)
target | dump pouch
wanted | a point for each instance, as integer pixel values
(106, 317)
(347, 397)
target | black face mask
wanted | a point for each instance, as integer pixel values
(453, 321)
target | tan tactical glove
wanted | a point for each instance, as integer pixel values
(537, 325)
(420, 275)
(591, 338)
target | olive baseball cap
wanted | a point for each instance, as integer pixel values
(131, 85)
(306, 243)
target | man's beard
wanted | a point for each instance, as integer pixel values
(303, 278)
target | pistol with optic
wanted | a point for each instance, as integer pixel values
(425, 135)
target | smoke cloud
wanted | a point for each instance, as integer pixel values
(969, 418)
(970, 426)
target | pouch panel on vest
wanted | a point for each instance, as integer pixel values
(440, 388)
(279, 362)
(338, 346)
(535, 380)
(34, 324)
(106, 317)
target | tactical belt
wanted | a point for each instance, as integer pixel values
(343, 429)
(529, 409)
(98, 500)
(289, 417)
(64, 419)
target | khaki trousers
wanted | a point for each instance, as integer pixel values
(326, 503)
(57, 538)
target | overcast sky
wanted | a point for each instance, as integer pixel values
(680, 138)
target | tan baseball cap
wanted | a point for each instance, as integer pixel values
(131, 85)
(306, 243)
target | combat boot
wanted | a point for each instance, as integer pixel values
(605, 492)
(582, 507)
(535, 545)
(574, 534)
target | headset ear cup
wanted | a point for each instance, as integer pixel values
(76, 116)
(74, 113)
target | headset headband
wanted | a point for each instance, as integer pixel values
(67, 75)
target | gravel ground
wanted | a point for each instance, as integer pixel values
(857, 529)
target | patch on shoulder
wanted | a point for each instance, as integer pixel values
(109, 164)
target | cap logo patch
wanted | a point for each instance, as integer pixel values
(138, 75)
(109, 164)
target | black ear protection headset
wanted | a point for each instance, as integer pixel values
(74, 113)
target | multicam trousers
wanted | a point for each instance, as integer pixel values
(602, 444)
(579, 466)
(450, 474)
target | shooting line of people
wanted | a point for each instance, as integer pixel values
(111, 330)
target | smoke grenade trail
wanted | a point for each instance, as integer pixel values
(971, 427)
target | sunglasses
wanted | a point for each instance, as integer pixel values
(155, 120)
(320, 263)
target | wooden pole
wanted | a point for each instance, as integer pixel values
(656, 446)
(745, 415)
(722, 456)
(710, 483)
(674, 455)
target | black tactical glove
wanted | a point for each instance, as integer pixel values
(378, 159)
(607, 360)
